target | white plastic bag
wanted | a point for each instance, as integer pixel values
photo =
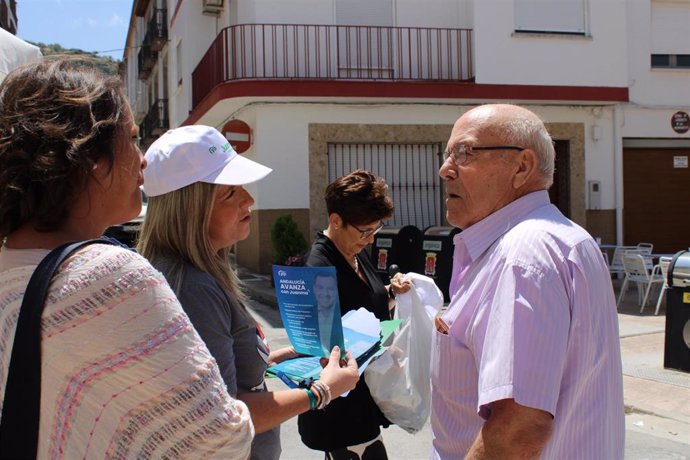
(399, 379)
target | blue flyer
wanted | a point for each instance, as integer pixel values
(309, 307)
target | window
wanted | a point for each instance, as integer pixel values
(364, 12)
(670, 47)
(671, 61)
(550, 16)
(410, 170)
(362, 52)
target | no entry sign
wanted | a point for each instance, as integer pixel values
(239, 134)
(680, 122)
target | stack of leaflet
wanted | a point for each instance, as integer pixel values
(364, 339)
(310, 310)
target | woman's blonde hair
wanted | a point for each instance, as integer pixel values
(176, 228)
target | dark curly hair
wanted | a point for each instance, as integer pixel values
(57, 119)
(359, 198)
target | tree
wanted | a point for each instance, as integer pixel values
(288, 241)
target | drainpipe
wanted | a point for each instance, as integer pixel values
(618, 121)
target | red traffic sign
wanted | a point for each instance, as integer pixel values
(239, 134)
(680, 122)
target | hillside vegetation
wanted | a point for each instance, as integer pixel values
(105, 63)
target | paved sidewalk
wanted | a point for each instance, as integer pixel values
(657, 400)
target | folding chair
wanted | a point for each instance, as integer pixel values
(616, 265)
(664, 262)
(636, 271)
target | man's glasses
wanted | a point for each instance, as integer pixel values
(366, 233)
(461, 152)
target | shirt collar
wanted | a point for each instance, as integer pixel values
(478, 237)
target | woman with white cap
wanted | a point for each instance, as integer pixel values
(197, 210)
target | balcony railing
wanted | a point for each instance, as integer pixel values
(156, 121)
(289, 51)
(147, 59)
(158, 29)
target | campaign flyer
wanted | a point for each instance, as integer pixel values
(310, 308)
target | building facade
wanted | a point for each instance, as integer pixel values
(327, 86)
(8, 16)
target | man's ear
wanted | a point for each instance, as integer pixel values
(527, 169)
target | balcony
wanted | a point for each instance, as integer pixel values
(156, 121)
(147, 59)
(328, 52)
(158, 29)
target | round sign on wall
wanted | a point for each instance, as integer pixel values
(239, 134)
(680, 122)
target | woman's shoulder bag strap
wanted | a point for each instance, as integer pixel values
(22, 401)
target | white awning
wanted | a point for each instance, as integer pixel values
(14, 52)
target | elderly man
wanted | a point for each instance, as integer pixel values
(526, 359)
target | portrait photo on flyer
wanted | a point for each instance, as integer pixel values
(309, 307)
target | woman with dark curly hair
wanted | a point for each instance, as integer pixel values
(357, 205)
(123, 373)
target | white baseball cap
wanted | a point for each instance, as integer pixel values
(196, 153)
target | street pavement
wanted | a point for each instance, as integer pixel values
(657, 400)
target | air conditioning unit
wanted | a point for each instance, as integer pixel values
(212, 7)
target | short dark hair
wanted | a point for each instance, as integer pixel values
(325, 274)
(359, 198)
(58, 118)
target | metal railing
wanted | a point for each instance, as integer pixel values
(158, 29)
(146, 59)
(295, 51)
(156, 121)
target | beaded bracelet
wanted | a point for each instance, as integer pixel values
(325, 393)
(312, 399)
(318, 392)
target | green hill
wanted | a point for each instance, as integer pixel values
(105, 63)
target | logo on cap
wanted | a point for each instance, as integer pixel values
(212, 149)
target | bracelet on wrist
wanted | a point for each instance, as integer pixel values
(317, 393)
(320, 395)
(325, 392)
(312, 399)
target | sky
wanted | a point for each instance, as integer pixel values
(89, 25)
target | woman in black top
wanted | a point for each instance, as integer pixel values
(357, 204)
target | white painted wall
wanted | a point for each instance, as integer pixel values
(281, 141)
(196, 32)
(285, 12)
(597, 59)
(615, 52)
(408, 13)
(137, 90)
(434, 13)
(656, 87)
(640, 122)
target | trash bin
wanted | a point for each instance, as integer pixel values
(396, 245)
(677, 341)
(436, 258)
